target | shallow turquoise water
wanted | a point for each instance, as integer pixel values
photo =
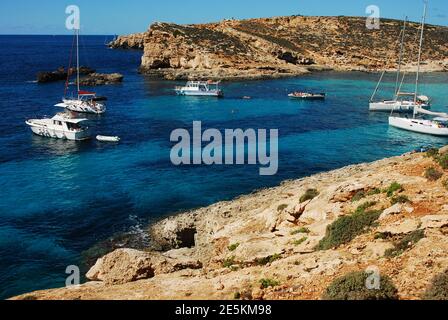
(60, 198)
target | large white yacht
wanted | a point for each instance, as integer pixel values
(61, 126)
(200, 88)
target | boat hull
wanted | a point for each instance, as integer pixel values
(216, 94)
(47, 132)
(396, 106)
(419, 126)
(82, 107)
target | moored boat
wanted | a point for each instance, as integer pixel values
(61, 126)
(307, 96)
(200, 88)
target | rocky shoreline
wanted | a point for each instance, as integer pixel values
(280, 47)
(295, 241)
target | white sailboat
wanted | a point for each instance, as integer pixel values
(84, 101)
(402, 101)
(438, 126)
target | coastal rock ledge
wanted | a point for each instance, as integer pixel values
(295, 240)
(280, 47)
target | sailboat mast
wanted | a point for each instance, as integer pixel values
(77, 57)
(420, 57)
(397, 90)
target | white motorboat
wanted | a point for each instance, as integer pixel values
(307, 96)
(108, 139)
(61, 126)
(200, 88)
(84, 101)
(437, 126)
(402, 102)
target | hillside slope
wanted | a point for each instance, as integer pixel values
(282, 46)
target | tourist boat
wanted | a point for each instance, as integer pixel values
(61, 126)
(200, 88)
(307, 96)
(84, 101)
(437, 126)
(403, 101)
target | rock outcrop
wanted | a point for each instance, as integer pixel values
(282, 46)
(61, 74)
(267, 245)
(101, 79)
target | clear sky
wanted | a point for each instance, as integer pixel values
(128, 16)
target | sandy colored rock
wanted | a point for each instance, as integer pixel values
(215, 252)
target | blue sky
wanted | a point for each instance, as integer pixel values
(128, 16)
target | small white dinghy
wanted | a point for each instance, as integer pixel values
(108, 139)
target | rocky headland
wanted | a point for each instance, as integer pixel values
(318, 237)
(281, 47)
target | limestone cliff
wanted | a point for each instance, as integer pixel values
(283, 46)
(293, 241)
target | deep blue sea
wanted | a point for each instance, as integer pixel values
(60, 198)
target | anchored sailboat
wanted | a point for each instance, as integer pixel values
(437, 126)
(402, 101)
(84, 101)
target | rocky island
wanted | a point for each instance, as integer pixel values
(306, 239)
(281, 47)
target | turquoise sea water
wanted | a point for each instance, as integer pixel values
(60, 198)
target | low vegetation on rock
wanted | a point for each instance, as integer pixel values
(400, 199)
(438, 289)
(353, 286)
(310, 194)
(433, 174)
(234, 246)
(393, 188)
(301, 230)
(267, 283)
(346, 228)
(406, 243)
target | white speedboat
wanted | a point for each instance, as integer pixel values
(61, 126)
(200, 88)
(108, 139)
(86, 102)
(307, 96)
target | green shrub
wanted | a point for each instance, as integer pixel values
(400, 199)
(432, 174)
(407, 242)
(353, 287)
(383, 235)
(346, 228)
(282, 207)
(438, 289)
(365, 206)
(266, 283)
(394, 187)
(234, 246)
(359, 196)
(374, 192)
(432, 153)
(310, 194)
(443, 161)
(300, 241)
(301, 230)
(445, 184)
(267, 260)
(237, 296)
(229, 262)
